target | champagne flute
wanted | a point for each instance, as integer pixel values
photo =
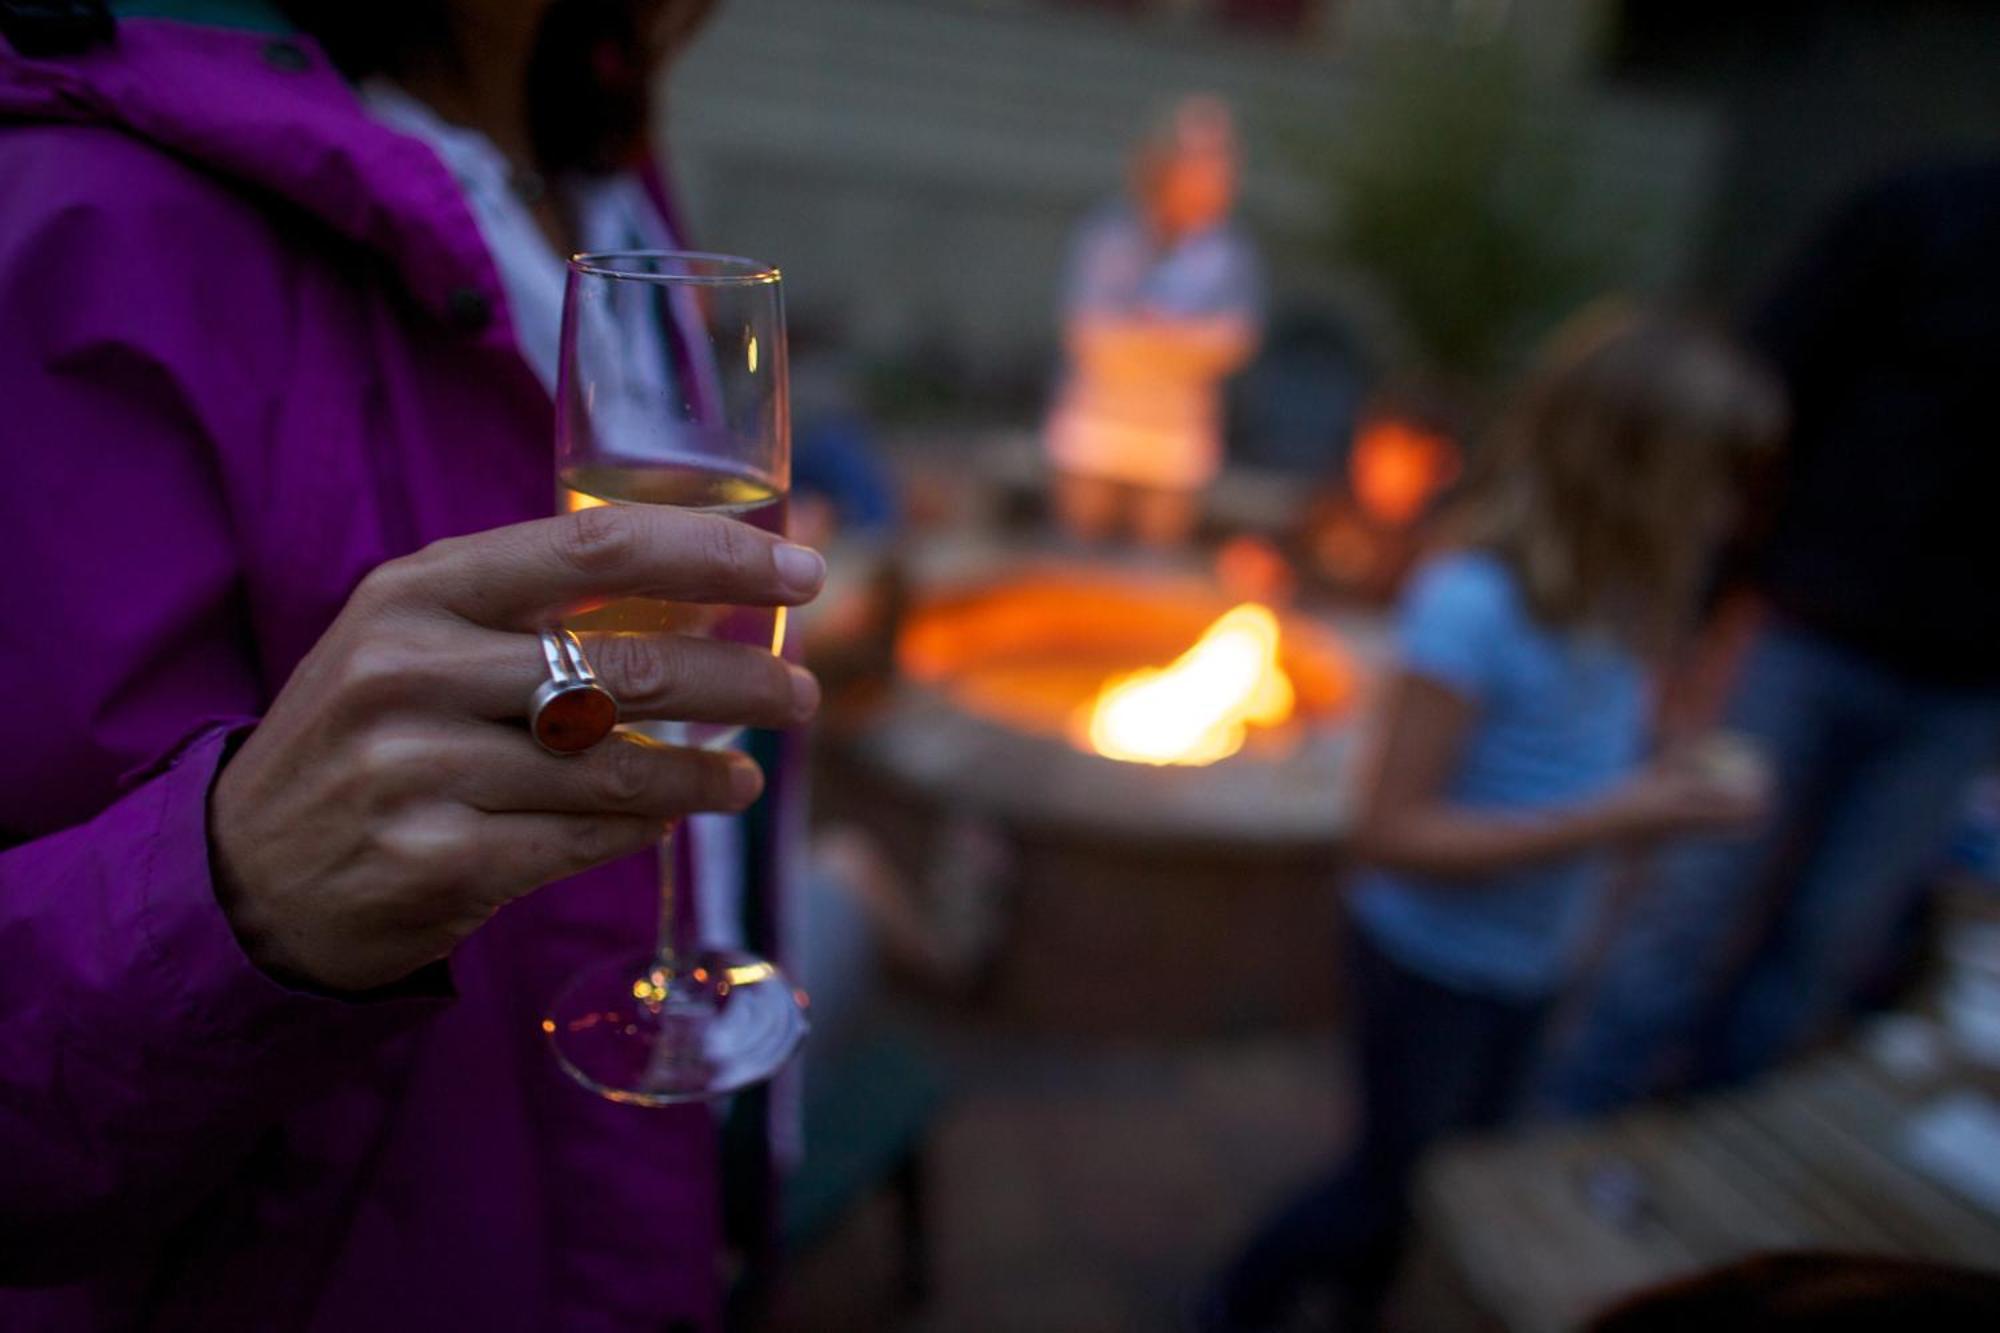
(672, 390)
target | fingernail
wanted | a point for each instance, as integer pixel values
(800, 567)
(805, 692)
(746, 780)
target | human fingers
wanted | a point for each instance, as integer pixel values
(500, 772)
(652, 676)
(517, 576)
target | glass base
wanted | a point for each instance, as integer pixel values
(632, 1033)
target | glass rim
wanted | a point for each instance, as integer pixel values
(734, 270)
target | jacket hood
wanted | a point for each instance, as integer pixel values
(228, 86)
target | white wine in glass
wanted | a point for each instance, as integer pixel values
(671, 390)
(736, 493)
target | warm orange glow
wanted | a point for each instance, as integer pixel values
(1201, 708)
(1033, 652)
(1396, 469)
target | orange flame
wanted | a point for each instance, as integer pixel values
(1201, 708)
(1396, 469)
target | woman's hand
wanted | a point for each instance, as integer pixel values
(1408, 823)
(1700, 790)
(391, 800)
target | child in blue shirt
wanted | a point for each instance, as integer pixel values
(1511, 764)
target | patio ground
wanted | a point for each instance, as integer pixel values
(1078, 1189)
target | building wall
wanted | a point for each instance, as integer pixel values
(915, 167)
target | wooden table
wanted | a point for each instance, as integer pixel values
(1545, 1228)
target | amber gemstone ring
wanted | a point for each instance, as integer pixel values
(570, 711)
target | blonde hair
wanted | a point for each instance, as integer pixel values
(1605, 485)
(1197, 123)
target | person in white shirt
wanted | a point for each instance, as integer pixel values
(1162, 301)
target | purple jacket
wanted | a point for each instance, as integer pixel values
(251, 346)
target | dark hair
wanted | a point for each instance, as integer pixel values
(1812, 1292)
(367, 37)
(588, 81)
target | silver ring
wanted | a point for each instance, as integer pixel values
(570, 711)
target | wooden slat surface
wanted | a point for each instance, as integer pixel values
(1808, 1159)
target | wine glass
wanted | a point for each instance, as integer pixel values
(671, 390)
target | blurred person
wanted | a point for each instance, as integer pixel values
(1509, 767)
(847, 501)
(281, 289)
(938, 931)
(1814, 1292)
(1872, 685)
(1162, 302)
(1366, 525)
(837, 466)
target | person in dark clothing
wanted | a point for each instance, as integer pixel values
(1888, 336)
(1873, 684)
(1811, 1291)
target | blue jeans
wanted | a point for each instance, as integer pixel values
(1433, 1060)
(1744, 949)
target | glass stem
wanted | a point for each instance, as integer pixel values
(677, 915)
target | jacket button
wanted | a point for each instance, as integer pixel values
(289, 57)
(468, 309)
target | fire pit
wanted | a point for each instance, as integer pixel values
(1053, 696)
(1171, 765)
